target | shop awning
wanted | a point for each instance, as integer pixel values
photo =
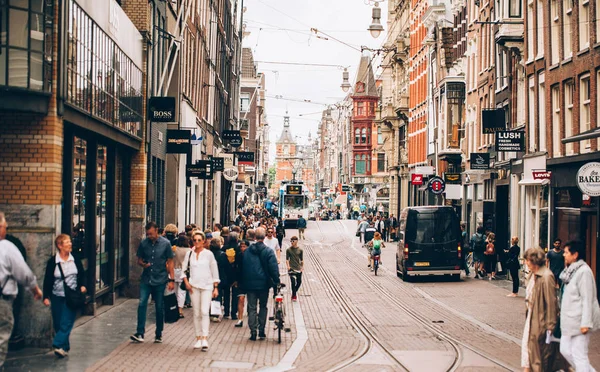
(532, 182)
(588, 134)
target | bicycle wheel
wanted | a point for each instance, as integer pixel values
(376, 264)
(279, 317)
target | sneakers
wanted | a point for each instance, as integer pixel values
(204, 345)
(158, 340)
(252, 336)
(137, 338)
(198, 344)
(181, 316)
(294, 298)
(239, 324)
(61, 353)
(262, 336)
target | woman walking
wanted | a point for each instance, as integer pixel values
(241, 293)
(202, 285)
(62, 270)
(181, 250)
(542, 312)
(512, 263)
(490, 257)
(580, 312)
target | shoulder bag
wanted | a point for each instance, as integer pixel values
(75, 299)
(186, 272)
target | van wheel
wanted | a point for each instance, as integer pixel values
(398, 270)
(405, 276)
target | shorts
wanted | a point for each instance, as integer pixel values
(478, 256)
(375, 253)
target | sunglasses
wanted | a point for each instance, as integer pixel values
(197, 240)
(294, 240)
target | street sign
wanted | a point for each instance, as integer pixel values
(480, 160)
(416, 179)
(509, 141)
(436, 185)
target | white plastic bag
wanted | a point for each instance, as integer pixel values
(215, 308)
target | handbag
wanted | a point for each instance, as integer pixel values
(74, 298)
(187, 273)
(498, 267)
(171, 309)
(358, 233)
(215, 308)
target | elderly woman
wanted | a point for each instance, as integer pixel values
(542, 313)
(62, 270)
(202, 285)
(580, 312)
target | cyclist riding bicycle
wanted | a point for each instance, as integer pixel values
(369, 235)
(376, 244)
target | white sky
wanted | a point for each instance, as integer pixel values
(280, 32)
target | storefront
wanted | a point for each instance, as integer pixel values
(534, 193)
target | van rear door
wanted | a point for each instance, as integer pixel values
(433, 236)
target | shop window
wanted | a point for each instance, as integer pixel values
(102, 267)
(79, 198)
(24, 31)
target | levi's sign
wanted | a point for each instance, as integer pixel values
(509, 141)
(541, 175)
(161, 109)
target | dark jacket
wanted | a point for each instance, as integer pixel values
(512, 259)
(225, 272)
(49, 275)
(301, 224)
(257, 258)
(280, 230)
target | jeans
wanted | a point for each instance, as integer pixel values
(158, 294)
(575, 351)
(63, 319)
(257, 321)
(514, 275)
(296, 280)
(201, 299)
(6, 327)
(230, 301)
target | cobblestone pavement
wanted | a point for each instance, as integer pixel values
(422, 325)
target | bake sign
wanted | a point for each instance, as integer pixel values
(588, 179)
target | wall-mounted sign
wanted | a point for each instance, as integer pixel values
(239, 186)
(541, 174)
(416, 179)
(231, 174)
(588, 179)
(178, 141)
(161, 109)
(218, 164)
(436, 185)
(509, 141)
(425, 170)
(452, 178)
(493, 121)
(201, 170)
(129, 108)
(480, 160)
(245, 158)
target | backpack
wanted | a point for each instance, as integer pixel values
(376, 245)
(479, 246)
(230, 253)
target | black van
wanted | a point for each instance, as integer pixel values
(429, 242)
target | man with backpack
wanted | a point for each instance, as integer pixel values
(478, 245)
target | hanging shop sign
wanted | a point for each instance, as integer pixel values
(493, 121)
(201, 170)
(510, 141)
(178, 141)
(436, 185)
(231, 174)
(588, 179)
(161, 109)
(541, 174)
(218, 164)
(245, 158)
(416, 179)
(452, 178)
(345, 188)
(480, 160)
(233, 137)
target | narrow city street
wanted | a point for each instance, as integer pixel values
(345, 318)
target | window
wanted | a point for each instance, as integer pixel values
(530, 26)
(357, 136)
(367, 159)
(381, 162)
(556, 137)
(554, 32)
(569, 90)
(542, 111)
(584, 24)
(364, 136)
(584, 110)
(531, 131)
(24, 31)
(360, 109)
(359, 164)
(514, 8)
(539, 29)
(245, 102)
(379, 136)
(567, 20)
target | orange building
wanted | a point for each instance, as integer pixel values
(285, 155)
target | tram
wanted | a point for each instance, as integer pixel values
(293, 202)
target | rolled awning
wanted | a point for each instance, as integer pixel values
(532, 182)
(588, 134)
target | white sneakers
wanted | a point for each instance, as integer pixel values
(201, 344)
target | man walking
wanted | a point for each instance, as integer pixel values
(393, 222)
(301, 227)
(260, 272)
(13, 271)
(361, 229)
(556, 260)
(156, 257)
(272, 242)
(294, 257)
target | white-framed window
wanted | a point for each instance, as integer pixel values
(530, 27)
(379, 136)
(554, 32)
(542, 111)
(245, 102)
(567, 18)
(584, 24)
(539, 34)
(584, 110)
(514, 8)
(556, 137)
(531, 106)
(569, 90)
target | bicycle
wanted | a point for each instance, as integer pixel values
(375, 263)
(469, 260)
(279, 311)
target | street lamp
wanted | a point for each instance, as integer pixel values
(376, 28)
(346, 80)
